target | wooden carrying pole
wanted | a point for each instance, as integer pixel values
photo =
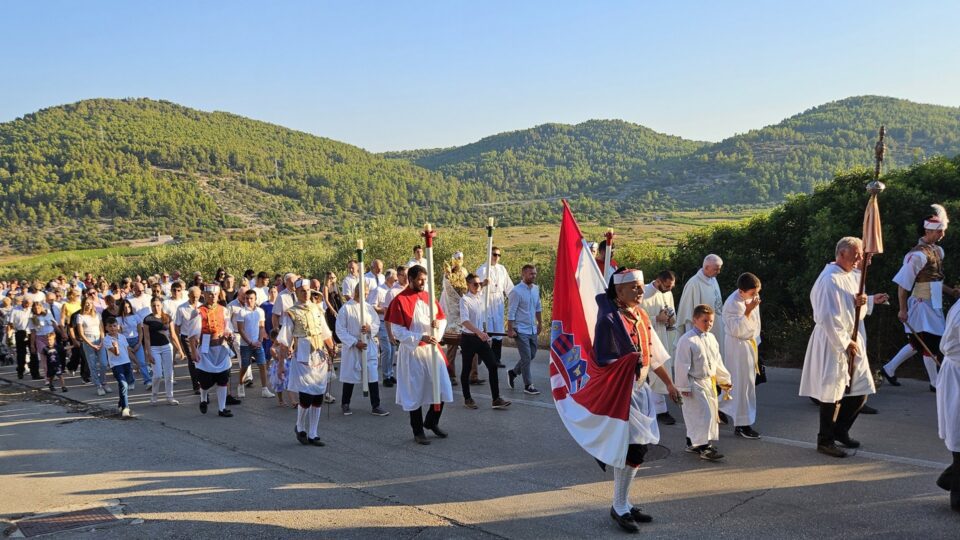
(607, 256)
(362, 302)
(486, 290)
(438, 363)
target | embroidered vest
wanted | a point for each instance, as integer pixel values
(212, 321)
(932, 271)
(307, 324)
(640, 332)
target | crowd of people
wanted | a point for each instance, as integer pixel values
(386, 324)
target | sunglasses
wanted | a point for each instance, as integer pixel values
(474, 283)
(496, 254)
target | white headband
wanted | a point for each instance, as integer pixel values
(934, 224)
(628, 277)
(211, 288)
(457, 255)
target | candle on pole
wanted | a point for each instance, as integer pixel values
(361, 301)
(438, 363)
(486, 289)
(607, 255)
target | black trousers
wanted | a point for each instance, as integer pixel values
(191, 365)
(471, 345)
(23, 353)
(837, 418)
(497, 349)
(310, 400)
(417, 421)
(930, 340)
(374, 393)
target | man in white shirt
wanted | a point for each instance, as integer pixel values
(185, 326)
(380, 303)
(474, 341)
(139, 300)
(19, 324)
(350, 281)
(418, 259)
(524, 325)
(375, 274)
(285, 299)
(499, 284)
(249, 321)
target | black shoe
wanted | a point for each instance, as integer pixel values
(19, 375)
(421, 439)
(64, 389)
(943, 482)
(437, 431)
(51, 387)
(723, 418)
(847, 442)
(36, 377)
(666, 419)
(232, 400)
(301, 436)
(248, 384)
(891, 380)
(387, 383)
(511, 376)
(477, 382)
(746, 432)
(316, 441)
(625, 521)
(639, 516)
(501, 365)
(710, 454)
(225, 413)
(196, 391)
(203, 406)
(832, 450)
(866, 409)
(85, 380)
(933, 388)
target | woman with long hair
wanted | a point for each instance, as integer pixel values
(89, 330)
(158, 347)
(131, 328)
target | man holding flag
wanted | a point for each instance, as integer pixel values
(602, 349)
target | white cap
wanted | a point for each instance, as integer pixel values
(938, 222)
(457, 256)
(211, 288)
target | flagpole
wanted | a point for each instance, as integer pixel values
(428, 235)
(607, 256)
(364, 370)
(872, 244)
(486, 290)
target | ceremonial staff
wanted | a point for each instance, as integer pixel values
(438, 364)
(607, 255)
(872, 243)
(486, 290)
(362, 301)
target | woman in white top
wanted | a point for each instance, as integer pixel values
(42, 323)
(132, 329)
(90, 331)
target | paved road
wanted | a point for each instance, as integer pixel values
(511, 474)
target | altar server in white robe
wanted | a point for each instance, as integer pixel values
(834, 298)
(304, 331)
(702, 288)
(948, 404)
(419, 338)
(358, 346)
(658, 303)
(700, 370)
(499, 284)
(741, 319)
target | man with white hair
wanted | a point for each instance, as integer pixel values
(375, 274)
(835, 298)
(702, 288)
(921, 277)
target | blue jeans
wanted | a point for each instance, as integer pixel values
(145, 370)
(97, 360)
(252, 355)
(124, 375)
(386, 351)
(527, 347)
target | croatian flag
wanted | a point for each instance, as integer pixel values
(587, 396)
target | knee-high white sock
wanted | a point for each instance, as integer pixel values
(902, 356)
(314, 422)
(221, 397)
(931, 366)
(205, 394)
(302, 418)
(659, 403)
(622, 476)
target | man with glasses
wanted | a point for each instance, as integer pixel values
(498, 280)
(474, 341)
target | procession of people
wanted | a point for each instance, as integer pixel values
(394, 327)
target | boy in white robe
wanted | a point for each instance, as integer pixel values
(699, 369)
(358, 347)
(741, 320)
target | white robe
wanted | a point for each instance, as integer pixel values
(697, 360)
(701, 290)
(500, 287)
(948, 383)
(742, 335)
(348, 330)
(653, 301)
(308, 370)
(824, 375)
(414, 366)
(923, 315)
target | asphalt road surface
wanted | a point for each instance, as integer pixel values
(176, 473)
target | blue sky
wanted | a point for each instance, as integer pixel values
(398, 75)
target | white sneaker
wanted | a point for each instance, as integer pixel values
(171, 401)
(265, 392)
(107, 389)
(240, 392)
(153, 399)
(125, 413)
(131, 386)
(149, 385)
(100, 391)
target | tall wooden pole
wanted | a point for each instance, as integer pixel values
(438, 363)
(362, 302)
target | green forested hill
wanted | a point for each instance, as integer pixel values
(634, 165)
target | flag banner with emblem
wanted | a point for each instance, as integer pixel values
(592, 410)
